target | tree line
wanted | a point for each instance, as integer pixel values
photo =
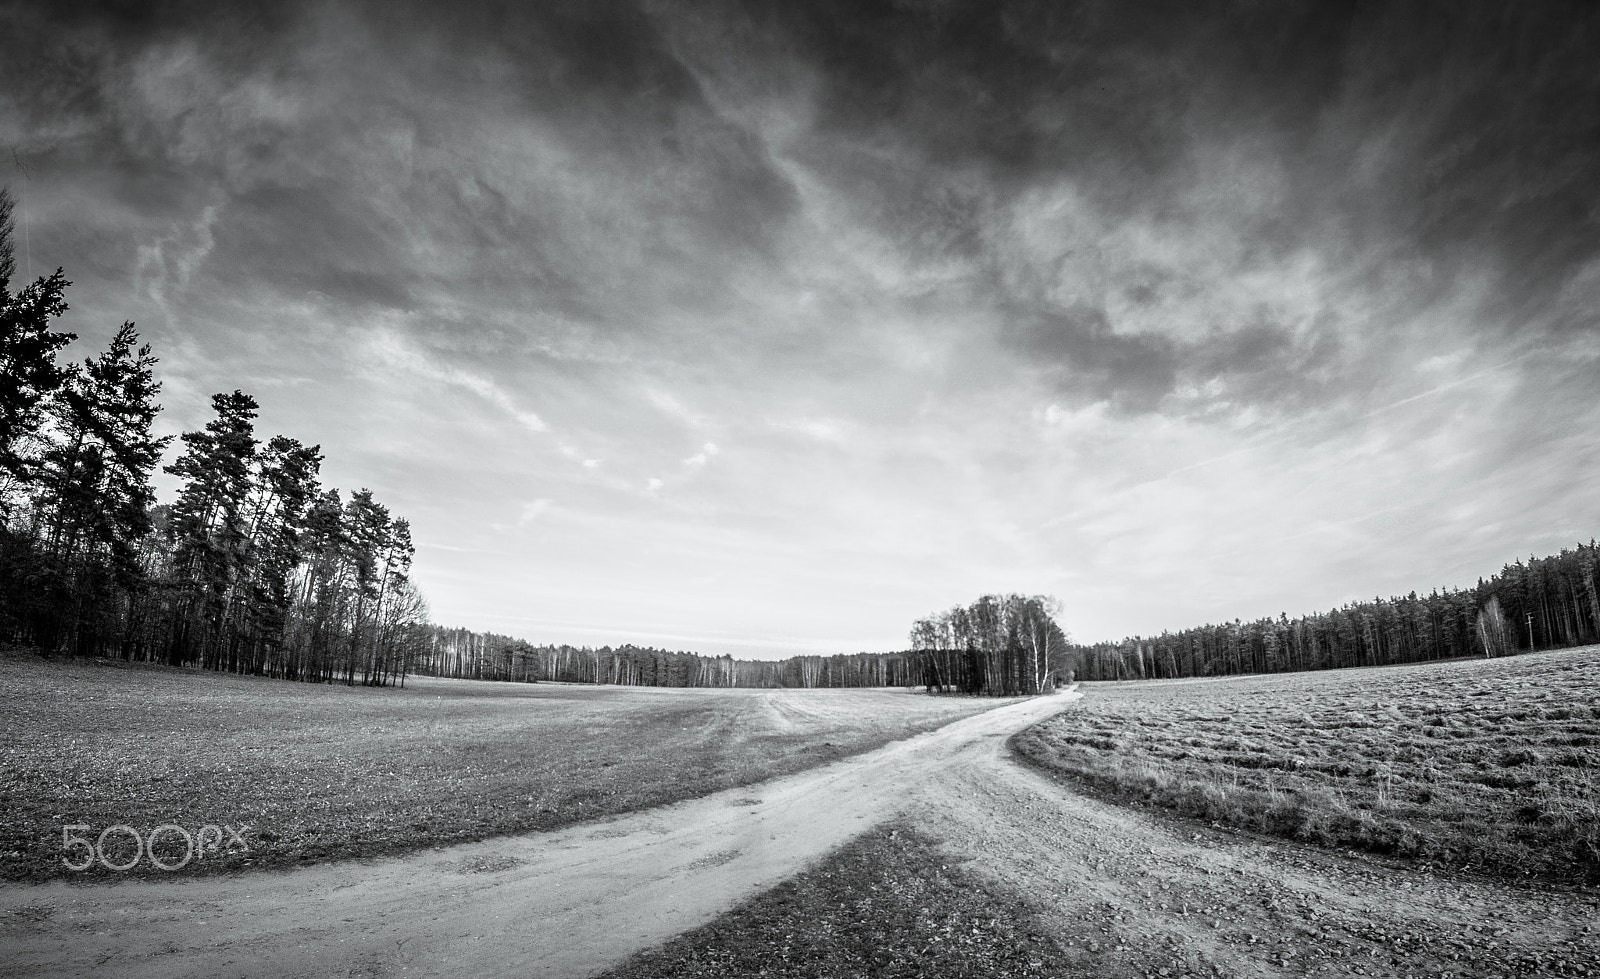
(1004, 645)
(1012, 645)
(469, 655)
(1546, 603)
(254, 568)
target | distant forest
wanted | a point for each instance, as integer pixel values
(255, 568)
(1011, 645)
(1546, 603)
(470, 655)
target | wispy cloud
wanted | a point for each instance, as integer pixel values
(532, 511)
(703, 456)
(391, 350)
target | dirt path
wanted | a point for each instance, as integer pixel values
(1138, 896)
(566, 903)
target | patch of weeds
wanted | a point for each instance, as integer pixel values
(488, 865)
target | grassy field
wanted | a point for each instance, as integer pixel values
(328, 772)
(883, 905)
(1487, 765)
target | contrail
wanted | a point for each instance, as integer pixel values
(1448, 385)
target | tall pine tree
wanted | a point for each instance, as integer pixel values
(29, 373)
(208, 531)
(92, 492)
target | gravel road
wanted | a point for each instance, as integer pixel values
(1141, 895)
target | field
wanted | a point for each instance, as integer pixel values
(1489, 766)
(326, 772)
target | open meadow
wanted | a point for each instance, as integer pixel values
(329, 772)
(1485, 765)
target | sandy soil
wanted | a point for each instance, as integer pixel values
(565, 903)
(1133, 895)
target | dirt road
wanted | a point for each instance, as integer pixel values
(1140, 896)
(566, 903)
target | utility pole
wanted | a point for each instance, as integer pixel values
(1530, 632)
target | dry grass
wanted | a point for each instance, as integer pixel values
(327, 772)
(1488, 765)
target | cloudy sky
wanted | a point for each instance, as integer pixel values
(768, 328)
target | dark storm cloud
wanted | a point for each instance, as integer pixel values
(340, 137)
(1453, 136)
(1077, 351)
(1463, 139)
(1494, 114)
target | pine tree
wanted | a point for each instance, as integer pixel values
(209, 536)
(283, 486)
(92, 494)
(29, 373)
